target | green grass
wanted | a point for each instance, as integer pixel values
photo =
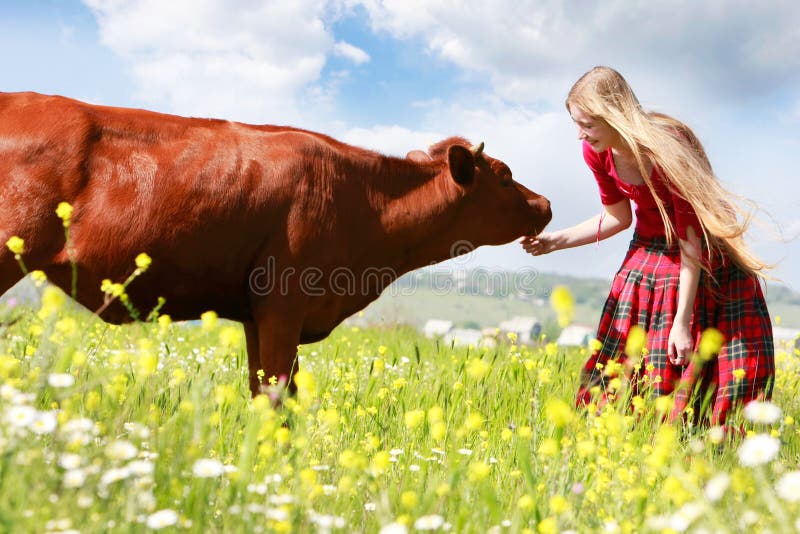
(387, 428)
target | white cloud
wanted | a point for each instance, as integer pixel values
(532, 49)
(353, 53)
(390, 139)
(242, 59)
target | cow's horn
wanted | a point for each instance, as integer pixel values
(477, 150)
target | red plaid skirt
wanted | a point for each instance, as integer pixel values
(645, 293)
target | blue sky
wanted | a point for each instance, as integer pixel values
(397, 75)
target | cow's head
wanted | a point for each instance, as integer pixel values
(491, 207)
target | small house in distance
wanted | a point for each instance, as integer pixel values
(576, 335)
(527, 329)
(463, 337)
(437, 327)
(786, 338)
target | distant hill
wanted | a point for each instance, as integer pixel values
(481, 298)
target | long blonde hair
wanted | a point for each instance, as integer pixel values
(676, 151)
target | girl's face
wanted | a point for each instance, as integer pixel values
(594, 131)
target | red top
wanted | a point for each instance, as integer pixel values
(648, 219)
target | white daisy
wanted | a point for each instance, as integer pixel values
(70, 461)
(788, 487)
(393, 528)
(717, 486)
(208, 468)
(60, 380)
(762, 412)
(121, 450)
(758, 450)
(44, 423)
(162, 519)
(429, 522)
(20, 416)
(74, 478)
(141, 468)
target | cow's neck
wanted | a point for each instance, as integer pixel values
(415, 219)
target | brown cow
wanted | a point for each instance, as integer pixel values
(285, 230)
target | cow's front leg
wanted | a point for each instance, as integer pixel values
(272, 340)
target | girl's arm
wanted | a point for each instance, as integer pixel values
(680, 336)
(613, 219)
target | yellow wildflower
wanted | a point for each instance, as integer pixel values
(143, 261)
(414, 418)
(526, 502)
(64, 212)
(558, 412)
(710, 343)
(478, 471)
(637, 340)
(562, 301)
(16, 245)
(380, 462)
(477, 368)
(209, 319)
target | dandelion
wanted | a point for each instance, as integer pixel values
(208, 468)
(121, 450)
(788, 486)
(162, 519)
(738, 374)
(762, 412)
(758, 450)
(429, 522)
(60, 380)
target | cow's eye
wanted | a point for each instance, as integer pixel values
(506, 182)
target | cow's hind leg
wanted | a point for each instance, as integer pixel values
(253, 358)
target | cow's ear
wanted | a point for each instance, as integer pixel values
(462, 164)
(419, 156)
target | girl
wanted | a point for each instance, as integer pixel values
(687, 268)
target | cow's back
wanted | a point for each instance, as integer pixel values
(201, 196)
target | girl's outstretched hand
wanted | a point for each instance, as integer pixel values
(537, 245)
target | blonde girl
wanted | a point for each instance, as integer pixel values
(687, 268)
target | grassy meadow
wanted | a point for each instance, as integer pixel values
(151, 427)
